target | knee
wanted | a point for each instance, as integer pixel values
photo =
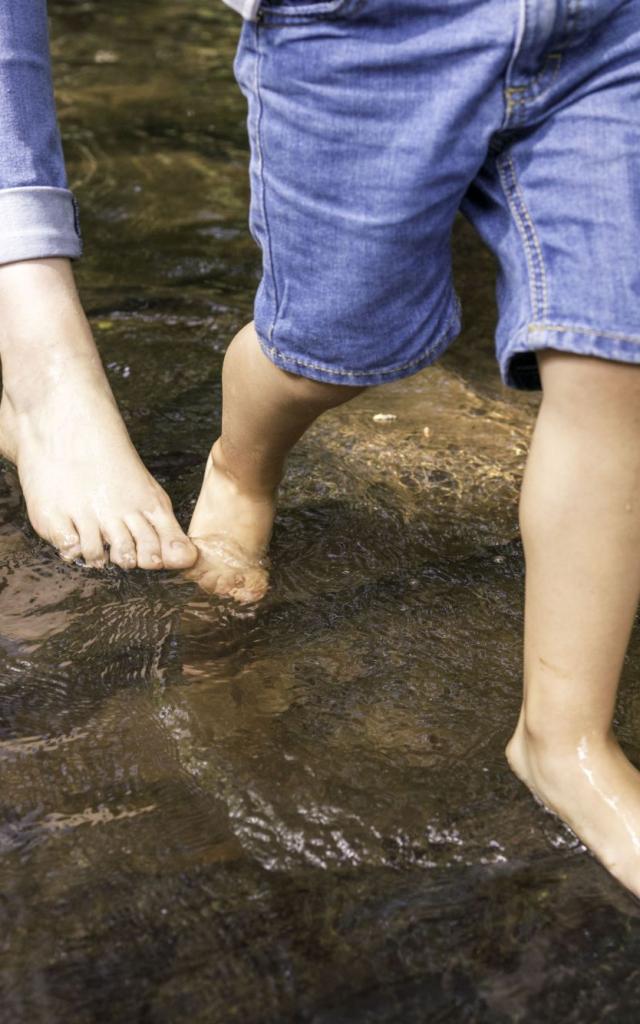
(582, 387)
(316, 394)
(319, 393)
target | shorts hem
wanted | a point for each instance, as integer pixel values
(578, 339)
(314, 370)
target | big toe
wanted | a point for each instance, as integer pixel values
(178, 551)
(64, 536)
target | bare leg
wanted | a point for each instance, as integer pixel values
(580, 520)
(264, 412)
(84, 484)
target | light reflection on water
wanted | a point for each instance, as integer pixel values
(300, 812)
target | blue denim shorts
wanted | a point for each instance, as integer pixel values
(373, 122)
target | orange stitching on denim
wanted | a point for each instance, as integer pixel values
(522, 233)
(518, 96)
(534, 236)
(528, 234)
(444, 338)
(557, 57)
(260, 173)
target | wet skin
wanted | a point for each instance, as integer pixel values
(231, 529)
(264, 412)
(88, 493)
(580, 525)
(594, 788)
(86, 489)
(581, 592)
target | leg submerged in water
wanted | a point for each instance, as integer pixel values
(265, 410)
(580, 521)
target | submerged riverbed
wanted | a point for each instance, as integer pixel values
(302, 813)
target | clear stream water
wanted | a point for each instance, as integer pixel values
(301, 814)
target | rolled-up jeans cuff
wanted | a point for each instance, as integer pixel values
(38, 221)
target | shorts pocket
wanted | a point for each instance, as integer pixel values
(296, 12)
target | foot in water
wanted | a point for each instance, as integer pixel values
(231, 530)
(87, 491)
(592, 786)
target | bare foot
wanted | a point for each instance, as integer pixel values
(594, 788)
(85, 487)
(231, 530)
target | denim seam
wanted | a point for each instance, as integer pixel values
(76, 216)
(553, 56)
(442, 340)
(528, 234)
(574, 10)
(579, 329)
(518, 96)
(260, 172)
(269, 18)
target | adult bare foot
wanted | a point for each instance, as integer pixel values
(231, 529)
(594, 788)
(84, 484)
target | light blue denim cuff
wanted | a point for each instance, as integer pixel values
(38, 221)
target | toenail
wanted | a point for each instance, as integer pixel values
(156, 560)
(178, 544)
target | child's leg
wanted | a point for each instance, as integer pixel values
(354, 232)
(264, 412)
(580, 521)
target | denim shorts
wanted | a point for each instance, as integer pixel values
(373, 122)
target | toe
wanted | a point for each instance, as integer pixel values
(224, 569)
(64, 536)
(92, 545)
(244, 587)
(227, 583)
(148, 549)
(210, 581)
(122, 548)
(252, 587)
(178, 552)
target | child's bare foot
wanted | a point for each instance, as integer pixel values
(231, 528)
(593, 787)
(83, 482)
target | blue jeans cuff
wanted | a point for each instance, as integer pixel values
(38, 221)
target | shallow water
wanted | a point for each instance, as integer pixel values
(301, 814)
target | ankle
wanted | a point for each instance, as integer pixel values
(42, 323)
(27, 389)
(244, 478)
(544, 740)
